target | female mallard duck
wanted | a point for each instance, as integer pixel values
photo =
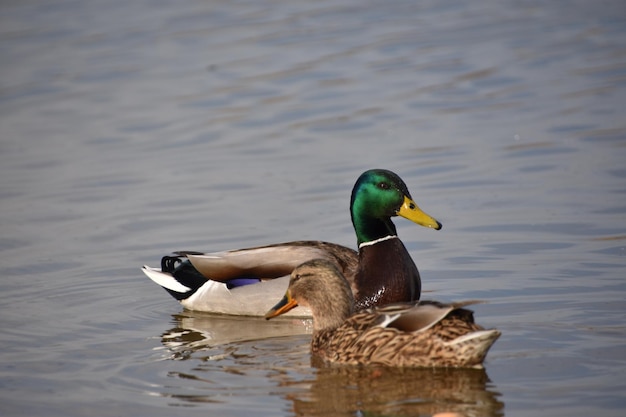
(419, 335)
(381, 272)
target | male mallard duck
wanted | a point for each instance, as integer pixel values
(420, 335)
(381, 272)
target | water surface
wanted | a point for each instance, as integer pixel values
(128, 130)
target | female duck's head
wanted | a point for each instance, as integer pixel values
(318, 284)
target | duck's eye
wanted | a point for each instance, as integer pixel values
(383, 186)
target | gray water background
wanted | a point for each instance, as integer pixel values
(131, 129)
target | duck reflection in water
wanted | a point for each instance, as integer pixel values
(383, 391)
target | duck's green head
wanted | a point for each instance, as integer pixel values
(377, 196)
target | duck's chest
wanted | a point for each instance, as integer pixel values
(386, 274)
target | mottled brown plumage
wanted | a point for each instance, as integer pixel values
(417, 335)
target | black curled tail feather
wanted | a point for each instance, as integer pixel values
(168, 263)
(185, 273)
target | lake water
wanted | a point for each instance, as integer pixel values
(131, 129)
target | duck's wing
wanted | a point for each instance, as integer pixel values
(273, 261)
(420, 317)
(426, 334)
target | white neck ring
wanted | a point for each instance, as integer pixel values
(373, 242)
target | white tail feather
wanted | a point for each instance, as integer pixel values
(165, 280)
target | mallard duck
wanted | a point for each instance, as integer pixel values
(245, 281)
(425, 334)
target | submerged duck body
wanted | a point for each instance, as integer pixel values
(239, 281)
(426, 334)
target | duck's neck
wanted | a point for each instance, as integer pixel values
(370, 229)
(331, 320)
(333, 309)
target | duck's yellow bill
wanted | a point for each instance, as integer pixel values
(283, 306)
(410, 210)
